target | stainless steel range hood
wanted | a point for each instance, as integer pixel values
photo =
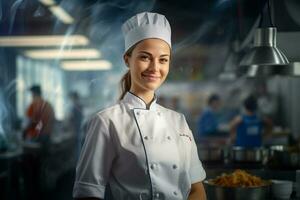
(265, 58)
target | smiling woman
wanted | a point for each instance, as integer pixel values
(139, 148)
(148, 66)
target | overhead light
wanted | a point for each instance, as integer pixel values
(264, 58)
(43, 40)
(89, 65)
(264, 51)
(48, 2)
(63, 54)
(61, 14)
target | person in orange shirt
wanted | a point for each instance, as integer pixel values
(41, 117)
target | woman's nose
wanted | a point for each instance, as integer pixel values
(154, 65)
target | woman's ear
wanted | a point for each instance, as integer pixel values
(126, 60)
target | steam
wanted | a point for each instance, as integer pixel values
(3, 112)
(3, 116)
(100, 23)
(211, 22)
(106, 25)
(1, 10)
(195, 36)
(40, 11)
(63, 46)
(13, 12)
(6, 109)
(10, 88)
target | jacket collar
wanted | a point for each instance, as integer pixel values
(134, 101)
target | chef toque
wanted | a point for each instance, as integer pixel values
(146, 25)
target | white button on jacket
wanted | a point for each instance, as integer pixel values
(143, 154)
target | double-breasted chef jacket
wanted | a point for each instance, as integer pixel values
(143, 154)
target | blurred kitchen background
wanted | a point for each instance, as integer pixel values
(74, 48)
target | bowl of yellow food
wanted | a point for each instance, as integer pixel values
(238, 185)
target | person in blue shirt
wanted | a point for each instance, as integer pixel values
(247, 130)
(208, 121)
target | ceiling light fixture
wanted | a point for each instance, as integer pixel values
(62, 54)
(89, 65)
(48, 2)
(61, 14)
(265, 51)
(264, 58)
(43, 40)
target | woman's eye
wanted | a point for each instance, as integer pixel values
(164, 60)
(144, 58)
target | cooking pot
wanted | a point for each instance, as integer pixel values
(215, 192)
(284, 156)
(249, 155)
(210, 153)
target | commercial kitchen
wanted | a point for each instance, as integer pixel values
(229, 58)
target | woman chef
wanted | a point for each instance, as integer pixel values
(141, 149)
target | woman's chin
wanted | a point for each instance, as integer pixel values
(151, 86)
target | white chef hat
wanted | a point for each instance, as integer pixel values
(146, 25)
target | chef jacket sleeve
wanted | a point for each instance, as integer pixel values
(93, 168)
(196, 171)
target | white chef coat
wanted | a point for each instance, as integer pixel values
(142, 153)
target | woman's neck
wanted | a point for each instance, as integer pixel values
(147, 97)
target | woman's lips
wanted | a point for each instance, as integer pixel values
(150, 77)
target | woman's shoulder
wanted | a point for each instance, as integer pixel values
(106, 112)
(111, 110)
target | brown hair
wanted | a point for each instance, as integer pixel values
(125, 82)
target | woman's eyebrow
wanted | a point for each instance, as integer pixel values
(145, 52)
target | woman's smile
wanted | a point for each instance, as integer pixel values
(150, 77)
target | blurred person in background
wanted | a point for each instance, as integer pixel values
(248, 129)
(75, 119)
(208, 123)
(40, 124)
(40, 118)
(124, 143)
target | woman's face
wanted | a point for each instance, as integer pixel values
(148, 64)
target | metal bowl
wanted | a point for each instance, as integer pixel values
(215, 192)
(241, 154)
(210, 153)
